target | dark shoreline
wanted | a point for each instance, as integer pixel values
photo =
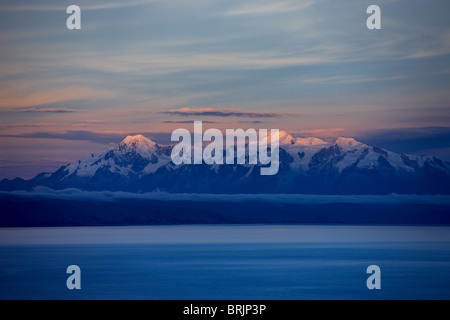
(18, 211)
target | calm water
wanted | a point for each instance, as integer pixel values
(226, 262)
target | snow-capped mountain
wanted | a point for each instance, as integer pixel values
(134, 156)
(307, 165)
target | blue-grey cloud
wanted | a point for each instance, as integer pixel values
(186, 121)
(9, 5)
(82, 135)
(26, 125)
(252, 122)
(49, 110)
(221, 113)
(72, 194)
(91, 136)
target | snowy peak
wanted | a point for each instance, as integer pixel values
(137, 143)
(311, 141)
(349, 143)
(286, 139)
(308, 165)
(133, 156)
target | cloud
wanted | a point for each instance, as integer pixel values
(36, 97)
(91, 136)
(351, 79)
(269, 7)
(186, 121)
(221, 113)
(97, 137)
(85, 5)
(321, 133)
(47, 110)
(25, 125)
(252, 122)
(92, 121)
(87, 123)
(76, 194)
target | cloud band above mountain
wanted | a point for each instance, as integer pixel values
(221, 113)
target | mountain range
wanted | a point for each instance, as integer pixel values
(307, 166)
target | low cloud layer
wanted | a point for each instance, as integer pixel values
(186, 121)
(75, 194)
(91, 136)
(72, 135)
(42, 110)
(221, 113)
(50, 110)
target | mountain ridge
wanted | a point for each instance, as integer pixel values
(307, 165)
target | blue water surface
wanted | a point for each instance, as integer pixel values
(226, 262)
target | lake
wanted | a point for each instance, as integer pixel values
(226, 262)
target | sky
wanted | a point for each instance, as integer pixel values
(311, 68)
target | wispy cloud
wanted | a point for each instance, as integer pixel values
(321, 133)
(38, 96)
(252, 122)
(438, 47)
(97, 137)
(267, 7)
(86, 5)
(92, 121)
(89, 123)
(186, 121)
(221, 113)
(47, 110)
(90, 136)
(352, 79)
(25, 125)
